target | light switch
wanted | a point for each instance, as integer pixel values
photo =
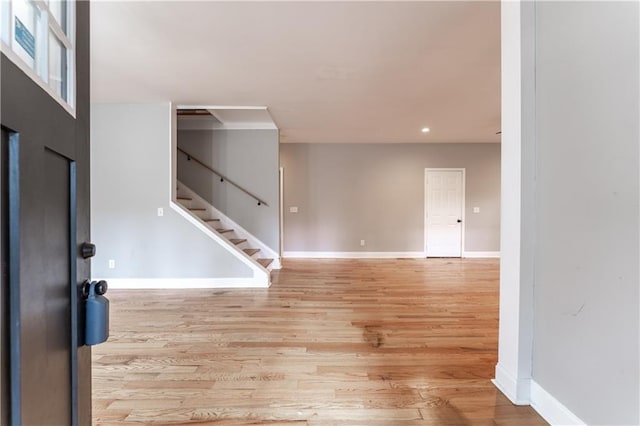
(160, 211)
(293, 209)
(476, 209)
(112, 264)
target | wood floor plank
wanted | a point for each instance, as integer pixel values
(332, 342)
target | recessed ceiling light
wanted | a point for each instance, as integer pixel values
(425, 130)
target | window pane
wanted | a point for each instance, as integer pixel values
(5, 23)
(26, 22)
(57, 66)
(28, 28)
(58, 10)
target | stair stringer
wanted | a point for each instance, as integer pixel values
(230, 223)
(261, 276)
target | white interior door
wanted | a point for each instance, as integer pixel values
(444, 212)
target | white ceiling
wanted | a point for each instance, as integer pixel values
(327, 71)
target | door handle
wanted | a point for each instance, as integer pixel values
(459, 220)
(100, 287)
(87, 250)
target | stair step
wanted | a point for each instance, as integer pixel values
(217, 225)
(251, 251)
(265, 262)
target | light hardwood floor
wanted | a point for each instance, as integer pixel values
(332, 342)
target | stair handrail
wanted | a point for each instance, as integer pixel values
(222, 177)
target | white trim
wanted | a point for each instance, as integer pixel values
(481, 254)
(552, 410)
(173, 151)
(207, 107)
(464, 196)
(515, 331)
(353, 254)
(72, 56)
(222, 241)
(517, 390)
(281, 212)
(54, 25)
(183, 283)
(227, 222)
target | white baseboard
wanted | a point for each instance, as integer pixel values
(517, 390)
(481, 254)
(353, 254)
(552, 410)
(528, 392)
(377, 254)
(184, 283)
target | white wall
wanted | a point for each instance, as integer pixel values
(130, 180)
(586, 328)
(249, 158)
(569, 296)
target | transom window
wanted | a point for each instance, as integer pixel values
(39, 37)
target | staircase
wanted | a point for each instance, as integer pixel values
(255, 253)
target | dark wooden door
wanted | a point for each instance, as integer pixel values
(45, 216)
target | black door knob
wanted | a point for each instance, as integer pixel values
(87, 250)
(100, 287)
(459, 220)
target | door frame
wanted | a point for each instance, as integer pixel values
(12, 357)
(281, 210)
(426, 200)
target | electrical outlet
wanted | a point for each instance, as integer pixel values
(362, 243)
(293, 209)
(476, 209)
(112, 264)
(160, 211)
